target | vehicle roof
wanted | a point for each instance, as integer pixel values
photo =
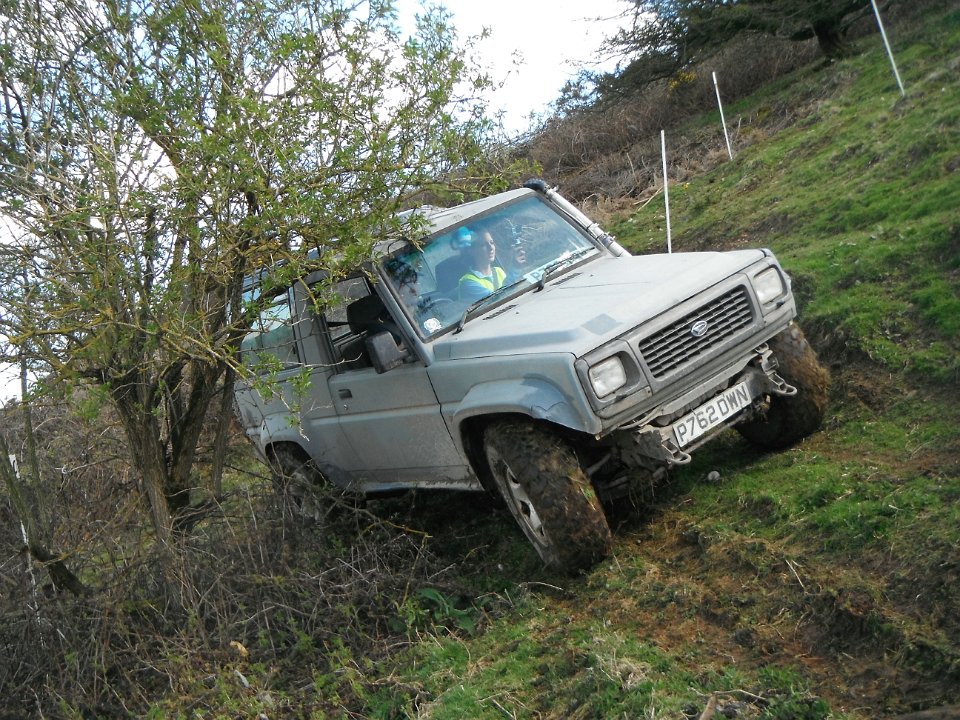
(445, 218)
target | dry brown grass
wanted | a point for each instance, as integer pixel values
(614, 150)
(253, 589)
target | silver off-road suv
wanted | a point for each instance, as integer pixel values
(514, 346)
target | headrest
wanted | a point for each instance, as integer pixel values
(365, 313)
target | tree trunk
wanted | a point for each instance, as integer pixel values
(60, 574)
(224, 419)
(831, 38)
(187, 431)
(150, 459)
(147, 453)
(166, 463)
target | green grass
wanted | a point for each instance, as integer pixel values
(529, 668)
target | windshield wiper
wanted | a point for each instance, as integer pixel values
(559, 263)
(477, 304)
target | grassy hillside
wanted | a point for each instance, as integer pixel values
(823, 581)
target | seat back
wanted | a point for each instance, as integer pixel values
(448, 273)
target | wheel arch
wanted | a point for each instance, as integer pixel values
(536, 398)
(532, 399)
(273, 449)
(291, 444)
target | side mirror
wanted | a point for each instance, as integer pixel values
(384, 352)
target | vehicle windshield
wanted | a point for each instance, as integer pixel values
(523, 244)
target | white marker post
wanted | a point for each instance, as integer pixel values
(666, 187)
(28, 560)
(722, 119)
(883, 34)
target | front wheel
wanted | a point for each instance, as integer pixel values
(790, 418)
(548, 494)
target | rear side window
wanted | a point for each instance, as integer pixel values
(271, 340)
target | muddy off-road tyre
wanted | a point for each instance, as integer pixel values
(296, 479)
(788, 419)
(548, 494)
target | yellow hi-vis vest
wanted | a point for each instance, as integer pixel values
(491, 284)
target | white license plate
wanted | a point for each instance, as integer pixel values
(711, 413)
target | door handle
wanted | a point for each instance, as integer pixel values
(344, 394)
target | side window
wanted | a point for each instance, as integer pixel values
(271, 340)
(348, 338)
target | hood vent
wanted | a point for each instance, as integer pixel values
(499, 312)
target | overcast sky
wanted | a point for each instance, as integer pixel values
(552, 39)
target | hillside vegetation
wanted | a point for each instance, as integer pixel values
(818, 582)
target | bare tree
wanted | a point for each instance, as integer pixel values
(156, 152)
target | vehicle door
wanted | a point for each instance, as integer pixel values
(391, 420)
(288, 390)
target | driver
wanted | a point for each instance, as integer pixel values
(479, 252)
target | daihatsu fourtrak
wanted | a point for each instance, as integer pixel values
(513, 346)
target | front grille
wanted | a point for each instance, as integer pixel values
(675, 345)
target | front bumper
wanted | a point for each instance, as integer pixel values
(653, 436)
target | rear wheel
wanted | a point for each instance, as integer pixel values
(296, 479)
(548, 494)
(788, 419)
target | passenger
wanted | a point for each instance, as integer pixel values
(518, 258)
(406, 280)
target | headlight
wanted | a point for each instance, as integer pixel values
(607, 376)
(768, 285)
